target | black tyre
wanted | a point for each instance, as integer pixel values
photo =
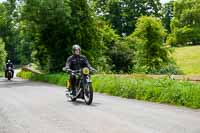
(88, 94)
(9, 76)
(73, 99)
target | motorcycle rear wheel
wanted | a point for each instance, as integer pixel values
(9, 76)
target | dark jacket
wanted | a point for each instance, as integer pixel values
(9, 65)
(77, 62)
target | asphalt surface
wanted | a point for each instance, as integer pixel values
(33, 107)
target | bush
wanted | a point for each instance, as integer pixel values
(171, 40)
(156, 90)
(115, 52)
(57, 78)
(185, 23)
(121, 58)
(2, 55)
(1, 74)
(151, 54)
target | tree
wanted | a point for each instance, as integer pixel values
(121, 57)
(83, 29)
(9, 31)
(2, 54)
(115, 53)
(26, 44)
(56, 26)
(167, 12)
(186, 22)
(3, 20)
(106, 38)
(147, 39)
(50, 21)
(123, 14)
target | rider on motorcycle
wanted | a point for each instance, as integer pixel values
(9, 64)
(76, 62)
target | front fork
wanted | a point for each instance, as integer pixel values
(86, 82)
(80, 83)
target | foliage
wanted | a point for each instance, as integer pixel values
(155, 90)
(59, 79)
(162, 90)
(123, 14)
(84, 31)
(107, 38)
(2, 54)
(58, 25)
(3, 20)
(1, 74)
(151, 55)
(167, 14)
(51, 24)
(116, 51)
(185, 24)
(43, 32)
(121, 57)
(8, 24)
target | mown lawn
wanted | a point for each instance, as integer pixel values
(188, 59)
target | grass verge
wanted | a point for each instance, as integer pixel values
(1, 74)
(187, 59)
(155, 90)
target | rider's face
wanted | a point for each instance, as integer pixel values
(77, 51)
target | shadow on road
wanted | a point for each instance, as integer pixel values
(82, 103)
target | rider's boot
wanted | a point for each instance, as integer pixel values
(73, 93)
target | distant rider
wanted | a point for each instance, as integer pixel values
(9, 64)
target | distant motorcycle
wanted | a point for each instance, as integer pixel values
(9, 73)
(83, 86)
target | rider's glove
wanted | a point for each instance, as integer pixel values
(66, 69)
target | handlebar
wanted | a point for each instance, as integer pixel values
(78, 71)
(74, 71)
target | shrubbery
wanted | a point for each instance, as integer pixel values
(2, 55)
(185, 23)
(151, 55)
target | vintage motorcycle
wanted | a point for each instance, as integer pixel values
(9, 73)
(83, 85)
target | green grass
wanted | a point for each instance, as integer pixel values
(59, 79)
(1, 74)
(187, 58)
(155, 90)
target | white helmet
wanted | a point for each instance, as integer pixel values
(75, 47)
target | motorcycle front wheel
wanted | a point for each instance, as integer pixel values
(9, 76)
(88, 94)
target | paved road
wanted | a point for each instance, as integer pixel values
(32, 107)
